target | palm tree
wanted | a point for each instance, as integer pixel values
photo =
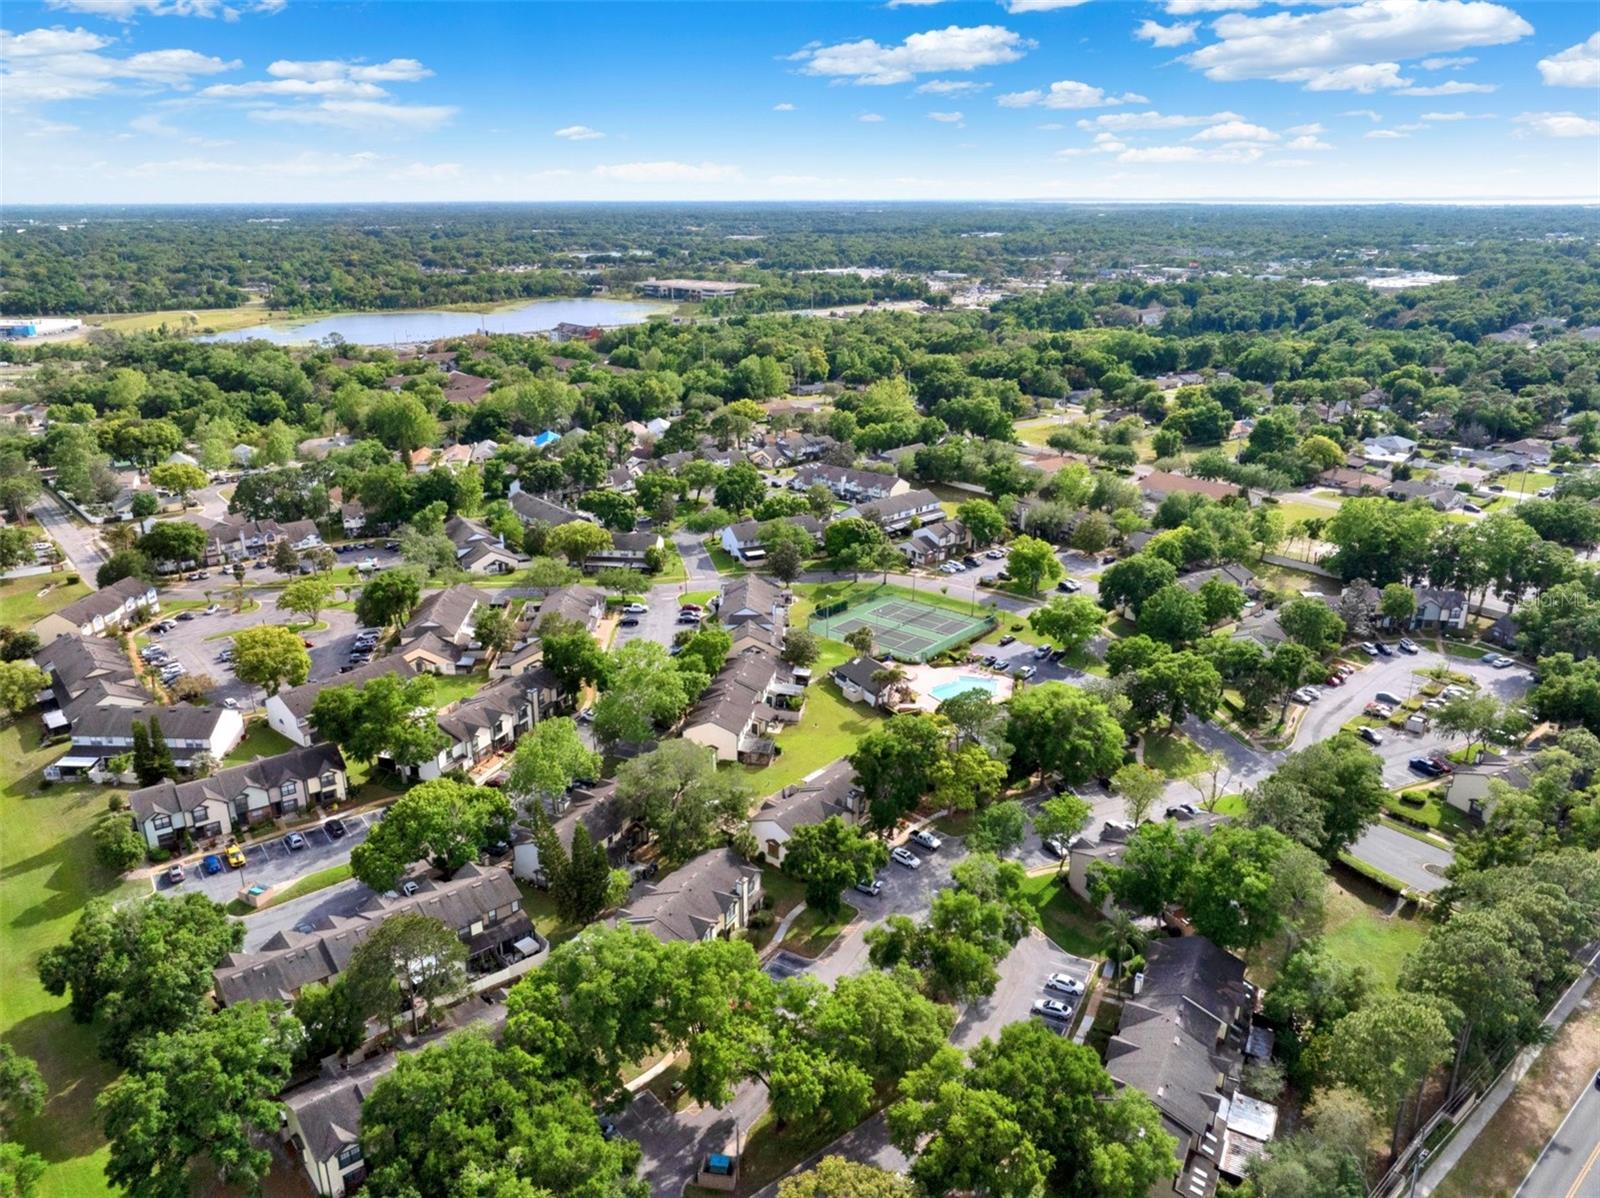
(892, 681)
(1123, 940)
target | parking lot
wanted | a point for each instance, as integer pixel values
(659, 624)
(1022, 983)
(272, 862)
(195, 643)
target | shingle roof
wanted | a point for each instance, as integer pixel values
(104, 601)
(485, 709)
(299, 700)
(859, 671)
(531, 508)
(690, 901)
(267, 773)
(177, 723)
(445, 612)
(328, 1110)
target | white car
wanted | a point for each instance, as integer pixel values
(1306, 695)
(872, 886)
(906, 858)
(636, 609)
(1369, 648)
(1049, 1008)
(927, 839)
(1065, 983)
(367, 563)
(213, 609)
(231, 704)
(1025, 672)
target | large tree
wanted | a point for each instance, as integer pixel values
(270, 656)
(1061, 730)
(446, 821)
(678, 793)
(1070, 621)
(549, 759)
(1344, 780)
(387, 716)
(895, 765)
(140, 968)
(829, 857)
(409, 962)
(206, 1092)
(388, 599)
(1033, 563)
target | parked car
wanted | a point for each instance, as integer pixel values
(1050, 1008)
(334, 828)
(1025, 672)
(906, 858)
(1333, 680)
(628, 622)
(213, 609)
(1388, 697)
(1305, 695)
(995, 555)
(1008, 639)
(1426, 765)
(1384, 650)
(1369, 648)
(1055, 846)
(970, 560)
(1370, 736)
(1069, 586)
(174, 873)
(295, 842)
(186, 615)
(1502, 662)
(231, 703)
(1407, 645)
(1065, 983)
(235, 856)
(927, 839)
(636, 609)
(872, 886)
(211, 864)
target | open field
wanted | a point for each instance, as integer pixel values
(21, 604)
(1061, 915)
(47, 873)
(827, 731)
(201, 320)
(1358, 932)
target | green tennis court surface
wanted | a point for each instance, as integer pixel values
(904, 628)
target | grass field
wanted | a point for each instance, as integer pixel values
(21, 604)
(1358, 932)
(216, 320)
(827, 731)
(259, 741)
(1529, 483)
(1294, 512)
(47, 873)
(1061, 916)
(1173, 753)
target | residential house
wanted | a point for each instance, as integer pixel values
(1534, 452)
(1468, 791)
(479, 550)
(482, 905)
(238, 797)
(1350, 482)
(480, 730)
(454, 457)
(1241, 577)
(353, 516)
(936, 542)
(322, 1120)
(1442, 498)
(1503, 632)
(753, 697)
(592, 807)
(86, 673)
(742, 540)
(627, 551)
(530, 509)
(102, 733)
(1112, 843)
(856, 680)
(438, 639)
(1182, 1042)
(465, 388)
(234, 538)
(848, 483)
(1158, 484)
(711, 896)
(580, 604)
(1261, 625)
(751, 598)
(1390, 449)
(1439, 608)
(830, 792)
(289, 711)
(899, 512)
(129, 600)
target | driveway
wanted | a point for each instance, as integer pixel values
(80, 543)
(696, 560)
(1415, 862)
(1022, 978)
(672, 1144)
(272, 862)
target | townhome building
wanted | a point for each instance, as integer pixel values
(289, 711)
(833, 792)
(743, 539)
(439, 637)
(936, 542)
(627, 551)
(102, 733)
(240, 797)
(479, 550)
(86, 673)
(235, 538)
(753, 698)
(531, 509)
(128, 600)
(899, 512)
(707, 898)
(848, 483)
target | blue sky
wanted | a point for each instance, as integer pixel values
(284, 100)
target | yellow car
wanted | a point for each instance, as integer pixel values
(235, 856)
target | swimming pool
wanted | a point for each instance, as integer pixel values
(967, 682)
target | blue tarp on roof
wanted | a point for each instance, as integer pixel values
(546, 438)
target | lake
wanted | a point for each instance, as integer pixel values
(390, 328)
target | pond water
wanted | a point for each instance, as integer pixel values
(391, 328)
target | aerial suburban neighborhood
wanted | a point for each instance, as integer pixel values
(852, 700)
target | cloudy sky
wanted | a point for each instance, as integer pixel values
(285, 100)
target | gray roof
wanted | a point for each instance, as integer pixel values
(859, 671)
(1191, 969)
(1167, 1057)
(328, 1110)
(736, 693)
(810, 803)
(754, 595)
(73, 661)
(596, 808)
(300, 699)
(445, 613)
(575, 603)
(689, 901)
(103, 602)
(531, 508)
(292, 960)
(485, 709)
(267, 773)
(177, 723)
(898, 505)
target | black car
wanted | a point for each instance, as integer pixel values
(1423, 765)
(334, 828)
(630, 622)
(1385, 650)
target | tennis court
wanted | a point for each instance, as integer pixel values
(903, 628)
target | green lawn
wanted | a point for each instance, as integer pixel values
(542, 910)
(1433, 811)
(21, 604)
(1358, 932)
(1037, 431)
(449, 688)
(723, 560)
(310, 884)
(1062, 916)
(786, 894)
(1530, 483)
(259, 741)
(47, 873)
(1294, 512)
(827, 731)
(812, 932)
(1173, 753)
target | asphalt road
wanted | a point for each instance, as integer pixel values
(1569, 1166)
(196, 644)
(1415, 862)
(1022, 978)
(273, 863)
(80, 543)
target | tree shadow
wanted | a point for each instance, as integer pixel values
(74, 1073)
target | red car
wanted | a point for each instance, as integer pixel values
(1335, 680)
(307, 643)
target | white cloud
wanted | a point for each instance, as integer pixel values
(1235, 131)
(371, 116)
(1447, 64)
(1313, 127)
(1559, 124)
(128, 10)
(870, 118)
(1576, 66)
(1015, 6)
(1374, 117)
(1158, 34)
(578, 133)
(1454, 87)
(152, 124)
(668, 172)
(1128, 121)
(1353, 46)
(1188, 8)
(44, 65)
(427, 171)
(949, 87)
(784, 107)
(1457, 116)
(396, 70)
(956, 48)
(946, 118)
(1307, 141)
(1050, 126)
(1384, 135)
(1161, 154)
(1067, 93)
(348, 89)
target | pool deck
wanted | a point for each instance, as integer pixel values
(924, 678)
